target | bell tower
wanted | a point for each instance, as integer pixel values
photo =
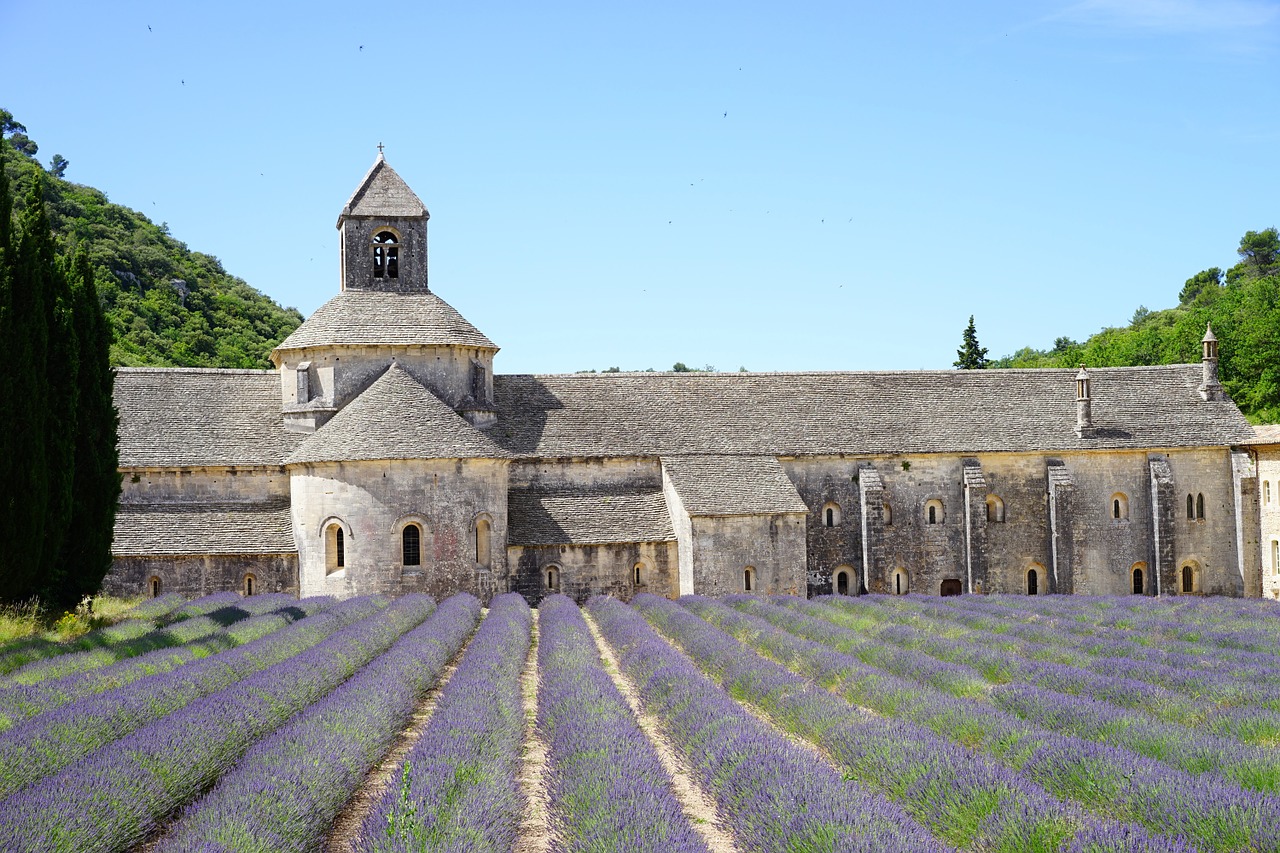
(383, 230)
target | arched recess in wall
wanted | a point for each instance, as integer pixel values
(154, 586)
(483, 531)
(843, 580)
(249, 586)
(1137, 578)
(1119, 509)
(409, 546)
(995, 509)
(888, 515)
(749, 579)
(551, 574)
(831, 514)
(1189, 578)
(1035, 574)
(337, 545)
(934, 512)
(899, 583)
(638, 574)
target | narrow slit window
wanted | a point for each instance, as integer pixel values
(154, 585)
(553, 579)
(638, 574)
(1200, 507)
(749, 579)
(250, 585)
(1191, 508)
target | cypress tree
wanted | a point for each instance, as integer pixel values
(62, 399)
(23, 527)
(8, 580)
(86, 552)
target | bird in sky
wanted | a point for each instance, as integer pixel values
(183, 82)
(362, 47)
(148, 28)
(726, 115)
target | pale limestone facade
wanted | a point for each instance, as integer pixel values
(384, 455)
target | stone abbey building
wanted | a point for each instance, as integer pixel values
(385, 455)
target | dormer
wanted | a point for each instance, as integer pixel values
(383, 230)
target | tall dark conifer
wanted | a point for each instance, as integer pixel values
(23, 528)
(62, 398)
(8, 494)
(86, 552)
(971, 356)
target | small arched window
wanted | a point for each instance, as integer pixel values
(1137, 573)
(1119, 506)
(335, 548)
(933, 512)
(899, 584)
(153, 586)
(749, 579)
(831, 514)
(1033, 582)
(1266, 491)
(842, 580)
(484, 545)
(553, 578)
(250, 584)
(1191, 507)
(386, 255)
(888, 514)
(995, 509)
(1200, 506)
(411, 545)
(1275, 557)
(1190, 577)
(637, 574)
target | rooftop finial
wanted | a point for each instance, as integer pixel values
(380, 146)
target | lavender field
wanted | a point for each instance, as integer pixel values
(733, 724)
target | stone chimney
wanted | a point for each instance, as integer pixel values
(1084, 405)
(1210, 387)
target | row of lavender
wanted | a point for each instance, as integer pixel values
(1213, 812)
(1178, 723)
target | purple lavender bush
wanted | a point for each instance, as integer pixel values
(47, 743)
(775, 794)
(607, 788)
(281, 796)
(116, 797)
(457, 789)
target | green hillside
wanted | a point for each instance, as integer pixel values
(168, 305)
(1243, 304)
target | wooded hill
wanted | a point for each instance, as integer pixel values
(167, 305)
(1243, 304)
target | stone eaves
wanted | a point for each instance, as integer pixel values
(207, 528)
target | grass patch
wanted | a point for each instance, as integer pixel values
(31, 619)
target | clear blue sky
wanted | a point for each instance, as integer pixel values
(780, 186)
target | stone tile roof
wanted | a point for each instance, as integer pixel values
(384, 193)
(185, 417)
(785, 414)
(1266, 434)
(207, 528)
(377, 318)
(395, 418)
(732, 485)
(587, 516)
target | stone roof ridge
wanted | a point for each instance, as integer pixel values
(709, 375)
(222, 371)
(383, 192)
(396, 417)
(716, 484)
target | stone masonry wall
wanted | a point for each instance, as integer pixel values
(774, 545)
(193, 577)
(587, 570)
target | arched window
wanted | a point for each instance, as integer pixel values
(1190, 577)
(1033, 582)
(1119, 506)
(250, 584)
(831, 514)
(484, 545)
(842, 580)
(1137, 573)
(933, 512)
(386, 255)
(411, 545)
(899, 583)
(335, 548)
(1275, 557)
(749, 579)
(1191, 507)
(153, 586)
(1266, 491)
(888, 514)
(995, 509)
(1200, 506)
(553, 578)
(638, 574)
